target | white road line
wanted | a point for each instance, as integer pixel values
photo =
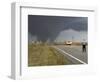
(69, 55)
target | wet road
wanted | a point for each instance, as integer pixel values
(73, 53)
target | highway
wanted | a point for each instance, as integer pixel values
(73, 53)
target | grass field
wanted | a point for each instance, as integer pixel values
(43, 55)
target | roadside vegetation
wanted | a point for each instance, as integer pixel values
(43, 55)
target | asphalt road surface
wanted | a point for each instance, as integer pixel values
(73, 53)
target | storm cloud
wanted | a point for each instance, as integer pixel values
(45, 28)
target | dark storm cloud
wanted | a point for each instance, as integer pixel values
(48, 27)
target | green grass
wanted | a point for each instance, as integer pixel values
(43, 55)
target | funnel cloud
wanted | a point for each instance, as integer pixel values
(56, 28)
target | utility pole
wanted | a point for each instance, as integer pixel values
(72, 38)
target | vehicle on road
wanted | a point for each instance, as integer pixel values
(68, 42)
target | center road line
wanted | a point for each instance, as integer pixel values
(69, 54)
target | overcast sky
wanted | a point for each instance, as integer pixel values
(57, 28)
